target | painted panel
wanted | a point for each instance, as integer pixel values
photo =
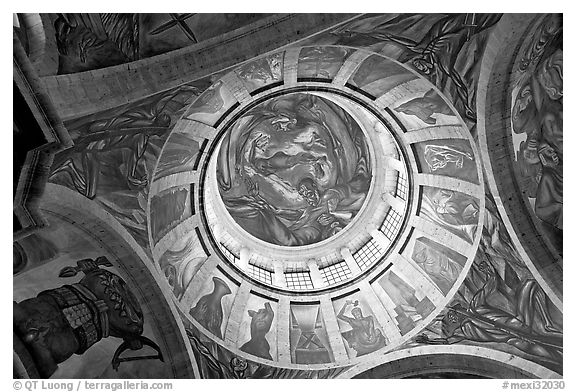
(322, 62)
(424, 111)
(262, 72)
(377, 75)
(211, 104)
(213, 308)
(168, 209)
(309, 342)
(537, 101)
(180, 154)
(97, 40)
(214, 361)
(295, 170)
(441, 263)
(115, 153)
(409, 308)
(359, 327)
(444, 48)
(181, 262)
(500, 305)
(452, 210)
(258, 328)
(448, 157)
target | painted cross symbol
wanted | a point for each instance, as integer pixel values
(309, 342)
(177, 20)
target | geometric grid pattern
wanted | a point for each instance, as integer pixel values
(391, 224)
(402, 186)
(228, 253)
(368, 254)
(259, 273)
(335, 273)
(299, 280)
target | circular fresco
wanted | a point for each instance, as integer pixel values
(294, 170)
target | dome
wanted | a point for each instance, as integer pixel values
(305, 193)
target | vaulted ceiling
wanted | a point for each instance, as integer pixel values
(288, 195)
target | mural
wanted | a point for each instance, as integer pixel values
(442, 264)
(454, 211)
(92, 41)
(294, 170)
(409, 308)
(321, 62)
(537, 124)
(444, 48)
(308, 336)
(212, 104)
(448, 157)
(378, 75)
(259, 73)
(259, 327)
(500, 304)
(216, 362)
(430, 109)
(181, 262)
(115, 153)
(358, 326)
(168, 209)
(68, 320)
(181, 153)
(213, 308)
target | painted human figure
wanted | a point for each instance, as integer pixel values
(364, 337)
(326, 214)
(129, 133)
(442, 269)
(529, 327)
(538, 112)
(452, 210)
(68, 320)
(434, 53)
(259, 327)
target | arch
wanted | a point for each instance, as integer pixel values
(494, 138)
(135, 265)
(461, 359)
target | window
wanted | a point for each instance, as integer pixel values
(368, 254)
(335, 273)
(228, 253)
(299, 280)
(391, 224)
(402, 186)
(259, 273)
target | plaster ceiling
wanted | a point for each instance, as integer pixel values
(333, 207)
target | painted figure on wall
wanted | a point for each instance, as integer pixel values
(115, 154)
(181, 262)
(452, 210)
(425, 107)
(261, 72)
(259, 327)
(364, 337)
(445, 48)
(295, 170)
(519, 317)
(70, 319)
(537, 115)
(442, 264)
(168, 209)
(215, 362)
(208, 310)
(439, 157)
